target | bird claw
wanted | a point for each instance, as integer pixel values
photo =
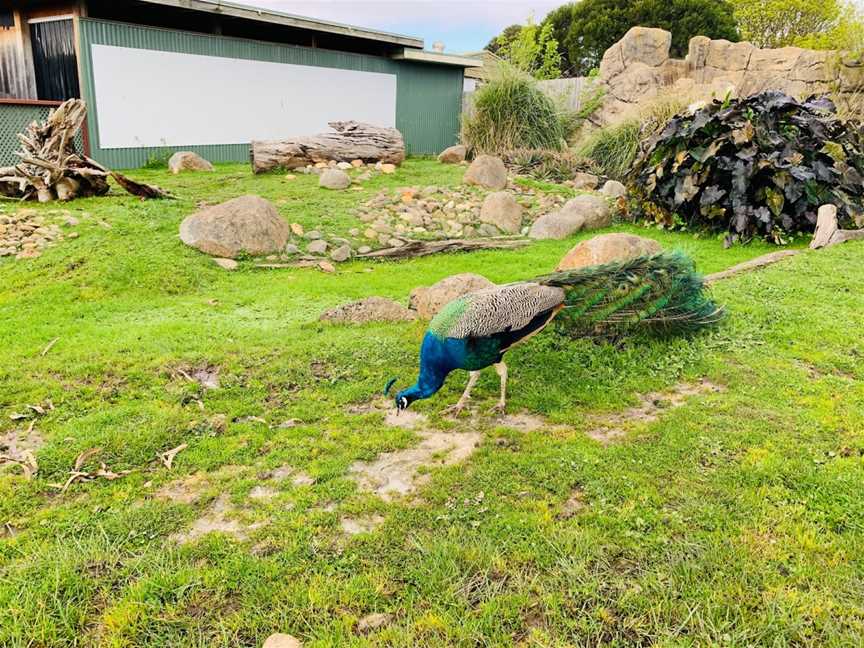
(498, 409)
(454, 410)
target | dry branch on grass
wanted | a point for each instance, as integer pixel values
(51, 168)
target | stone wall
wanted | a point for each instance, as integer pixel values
(638, 67)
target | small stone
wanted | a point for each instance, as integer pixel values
(280, 640)
(225, 264)
(366, 175)
(370, 233)
(356, 163)
(290, 176)
(326, 266)
(364, 249)
(388, 168)
(321, 165)
(71, 221)
(341, 253)
(297, 229)
(395, 242)
(487, 171)
(372, 622)
(334, 179)
(290, 248)
(344, 166)
(317, 247)
(313, 235)
(355, 232)
(587, 181)
(614, 189)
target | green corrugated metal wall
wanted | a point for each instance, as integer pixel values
(428, 103)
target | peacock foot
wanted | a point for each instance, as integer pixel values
(454, 410)
(498, 408)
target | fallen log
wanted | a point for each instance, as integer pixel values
(351, 141)
(828, 231)
(752, 264)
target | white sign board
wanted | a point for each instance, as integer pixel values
(149, 98)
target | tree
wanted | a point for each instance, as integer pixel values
(503, 39)
(822, 24)
(532, 50)
(596, 25)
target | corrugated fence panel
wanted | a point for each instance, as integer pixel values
(427, 105)
(14, 118)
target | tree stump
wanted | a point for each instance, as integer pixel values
(351, 141)
(828, 231)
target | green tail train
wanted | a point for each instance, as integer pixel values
(661, 294)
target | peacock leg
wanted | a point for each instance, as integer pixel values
(501, 370)
(456, 409)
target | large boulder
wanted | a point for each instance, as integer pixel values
(334, 179)
(453, 154)
(188, 161)
(582, 212)
(487, 171)
(428, 300)
(606, 248)
(248, 224)
(371, 309)
(501, 210)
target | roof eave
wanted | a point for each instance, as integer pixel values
(290, 20)
(438, 58)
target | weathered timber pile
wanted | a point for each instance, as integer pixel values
(51, 168)
(351, 141)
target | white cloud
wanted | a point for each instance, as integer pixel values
(482, 16)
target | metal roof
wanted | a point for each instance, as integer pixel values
(290, 20)
(437, 57)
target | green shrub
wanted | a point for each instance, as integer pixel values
(546, 164)
(510, 112)
(158, 159)
(614, 148)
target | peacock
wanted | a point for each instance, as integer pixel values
(659, 293)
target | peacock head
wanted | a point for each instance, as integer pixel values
(403, 398)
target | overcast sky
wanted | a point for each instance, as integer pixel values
(462, 26)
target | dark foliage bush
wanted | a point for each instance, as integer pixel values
(759, 166)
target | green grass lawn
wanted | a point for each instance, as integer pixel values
(736, 519)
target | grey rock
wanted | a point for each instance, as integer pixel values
(317, 247)
(581, 212)
(371, 309)
(312, 235)
(613, 189)
(248, 224)
(188, 161)
(487, 171)
(607, 248)
(587, 181)
(501, 210)
(341, 253)
(453, 154)
(429, 300)
(334, 179)
(290, 248)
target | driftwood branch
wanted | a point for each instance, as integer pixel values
(828, 231)
(350, 141)
(51, 168)
(425, 248)
(752, 264)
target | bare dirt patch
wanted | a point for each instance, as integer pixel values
(184, 491)
(406, 419)
(524, 422)
(353, 526)
(216, 519)
(15, 444)
(398, 473)
(609, 428)
(574, 505)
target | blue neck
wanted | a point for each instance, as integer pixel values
(436, 361)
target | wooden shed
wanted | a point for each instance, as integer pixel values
(208, 76)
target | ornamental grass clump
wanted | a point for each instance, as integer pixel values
(510, 112)
(759, 166)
